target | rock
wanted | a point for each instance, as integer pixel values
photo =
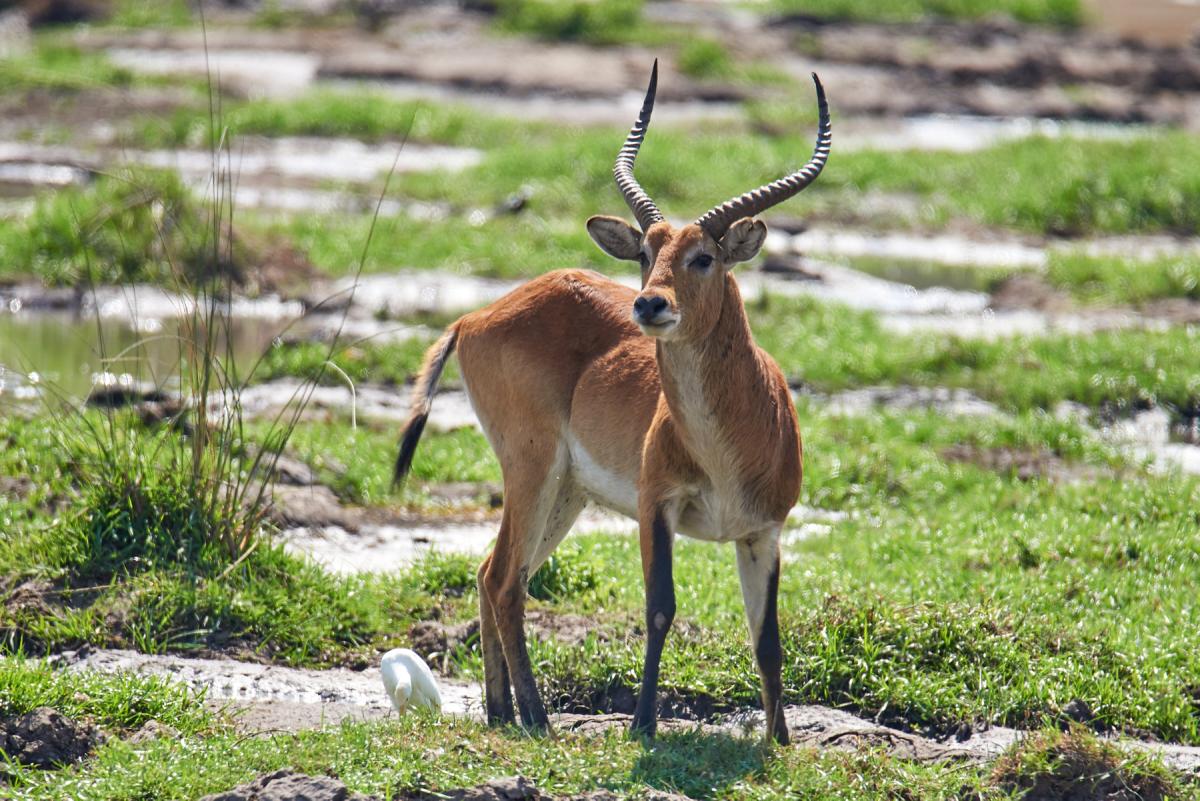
(286, 785)
(1078, 711)
(44, 738)
(311, 506)
(153, 730)
(510, 788)
(293, 472)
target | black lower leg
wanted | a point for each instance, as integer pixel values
(497, 689)
(660, 611)
(768, 653)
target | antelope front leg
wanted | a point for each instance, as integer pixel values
(758, 568)
(656, 543)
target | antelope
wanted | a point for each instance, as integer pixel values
(657, 404)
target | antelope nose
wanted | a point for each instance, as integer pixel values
(648, 308)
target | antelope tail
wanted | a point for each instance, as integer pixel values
(422, 401)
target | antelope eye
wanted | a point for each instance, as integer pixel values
(702, 262)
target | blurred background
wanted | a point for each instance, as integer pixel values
(1001, 170)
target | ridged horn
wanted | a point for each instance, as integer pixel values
(639, 202)
(717, 221)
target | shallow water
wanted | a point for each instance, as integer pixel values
(65, 354)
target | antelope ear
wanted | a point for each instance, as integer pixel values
(743, 239)
(615, 237)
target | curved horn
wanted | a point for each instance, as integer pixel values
(717, 221)
(639, 202)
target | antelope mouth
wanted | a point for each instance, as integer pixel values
(659, 328)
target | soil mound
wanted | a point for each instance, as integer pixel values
(286, 785)
(44, 738)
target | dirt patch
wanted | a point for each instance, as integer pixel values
(1176, 311)
(1026, 291)
(153, 730)
(436, 642)
(617, 698)
(44, 738)
(15, 486)
(565, 628)
(467, 493)
(1024, 463)
(519, 788)
(21, 604)
(994, 66)
(1075, 767)
(286, 785)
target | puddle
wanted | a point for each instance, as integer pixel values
(945, 249)
(859, 290)
(381, 549)
(311, 158)
(385, 548)
(955, 402)
(961, 134)
(252, 157)
(1151, 435)
(299, 697)
(258, 73)
(67, 353)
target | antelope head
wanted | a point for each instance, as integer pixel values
(683, 269)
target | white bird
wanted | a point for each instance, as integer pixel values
(408, 680)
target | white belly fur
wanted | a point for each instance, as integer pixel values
(605, 487)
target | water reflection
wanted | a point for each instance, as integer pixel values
(70, 353)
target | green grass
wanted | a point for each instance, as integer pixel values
(394, 759)
(132, 562)
(130, 227)
(952, 593)
(1120, 280)
(500, 247)
(1046, 12)
(362, 114)
(830, 347)
(411, 756)
(159, 14)
(358, 463)
(59, 67)
(121, 702)
(1037, 185)
(606, 23)
(385, 363)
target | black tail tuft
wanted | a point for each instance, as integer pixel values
(423, 392)
(408, 447)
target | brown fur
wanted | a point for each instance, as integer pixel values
(700, 422)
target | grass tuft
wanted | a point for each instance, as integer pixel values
(1076, 764)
